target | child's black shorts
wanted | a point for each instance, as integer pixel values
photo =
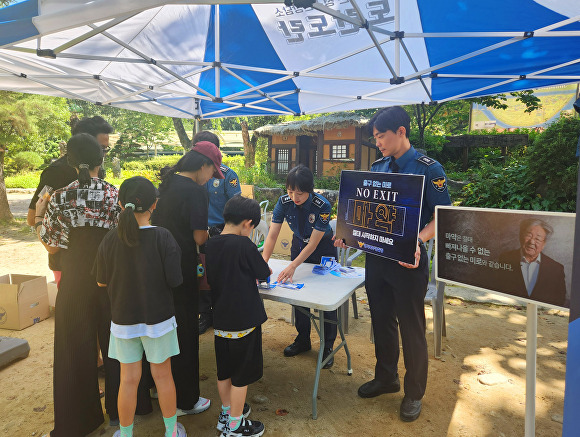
(240, 359)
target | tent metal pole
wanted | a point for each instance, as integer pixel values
(488, 49)
(158, 65)
(537, 34)
(505, 76)
(398, 40)
(416, 69)
(351, 20)
(364, 97)
(535, 73)
(463, 58)
(217, 50)
(262, 93)
(90, 34)
(375, 41)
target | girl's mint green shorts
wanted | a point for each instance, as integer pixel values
(157, 350)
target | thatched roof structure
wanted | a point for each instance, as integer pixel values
(313, 126)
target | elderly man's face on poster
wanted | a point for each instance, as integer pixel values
(533, 242)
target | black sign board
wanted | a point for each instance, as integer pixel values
(379, 213)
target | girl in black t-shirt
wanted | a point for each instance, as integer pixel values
(139, 263)
(183, 210)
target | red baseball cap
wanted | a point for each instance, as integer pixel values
(212, 152)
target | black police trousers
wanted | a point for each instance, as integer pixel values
(396, 298)
(325, 248)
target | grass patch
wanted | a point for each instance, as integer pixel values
(23, 180)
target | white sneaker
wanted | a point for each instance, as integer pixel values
(224, 418)
(200, 406)
(180, 430)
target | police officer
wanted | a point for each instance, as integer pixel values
(308, 216)
(220, 191)
(396, 290)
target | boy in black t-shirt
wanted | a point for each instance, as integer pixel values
(233, 265)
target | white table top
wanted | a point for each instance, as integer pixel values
(321, 292)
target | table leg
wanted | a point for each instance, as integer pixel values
(318, 365)
(340, 316)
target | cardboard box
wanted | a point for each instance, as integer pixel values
(247, 191)
(23, 301)
(284, 241)
(52, 292)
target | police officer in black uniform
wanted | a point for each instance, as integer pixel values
(308, 216)
(396, 290)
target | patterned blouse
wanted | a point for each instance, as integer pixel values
(74, 206)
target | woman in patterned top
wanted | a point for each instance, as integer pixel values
(76, 218)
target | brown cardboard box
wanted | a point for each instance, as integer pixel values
(247, 191)
(284, 241)
(52, 292)
(23, 301)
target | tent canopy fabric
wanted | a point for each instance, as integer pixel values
(221, 58)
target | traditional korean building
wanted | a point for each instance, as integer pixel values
(326, 144)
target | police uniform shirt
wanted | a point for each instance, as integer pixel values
(435, 185)
(220, 191)
(312, 214)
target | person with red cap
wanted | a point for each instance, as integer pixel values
(183, 210)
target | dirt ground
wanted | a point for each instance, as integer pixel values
(482, 340)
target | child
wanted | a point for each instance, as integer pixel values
(233, 265)
(139, 264)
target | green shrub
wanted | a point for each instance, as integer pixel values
(541, 177)
(553, 165)
(494, 186)
(23, 180)
(26, 161)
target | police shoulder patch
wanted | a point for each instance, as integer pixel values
(234, 182)
(439, 183)
(317, 201)
(285, 198)
(426, 160)
(324, 217)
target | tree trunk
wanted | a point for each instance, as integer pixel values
(183, 138)
(249, 148)
(5, 213)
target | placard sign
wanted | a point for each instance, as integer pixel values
(379, 212)
(524, 254)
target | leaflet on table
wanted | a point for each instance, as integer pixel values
(347, 272)
(290, 285)
(327, 265)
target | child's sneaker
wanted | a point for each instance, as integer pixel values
(223, 418)
(180, 430)
(247, 428)
(200, 406)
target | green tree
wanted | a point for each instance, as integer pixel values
(22, 117)
(455, 114)
(134, 127)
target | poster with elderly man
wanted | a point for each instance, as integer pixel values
(524, 254)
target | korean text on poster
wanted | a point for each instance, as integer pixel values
(379, 213)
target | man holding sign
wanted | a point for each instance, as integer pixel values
(396, 290)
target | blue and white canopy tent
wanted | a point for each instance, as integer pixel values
(203, 59)
(219, 58)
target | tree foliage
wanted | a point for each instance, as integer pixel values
(452, 117)
(134, 128)
(27, 122)
(543, 178)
